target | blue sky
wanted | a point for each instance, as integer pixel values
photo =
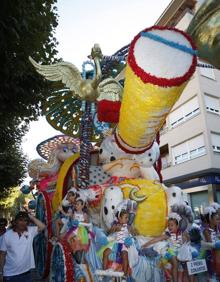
(82, 23)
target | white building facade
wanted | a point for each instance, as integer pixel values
(190, 139)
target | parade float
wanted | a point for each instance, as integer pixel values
(109, 154)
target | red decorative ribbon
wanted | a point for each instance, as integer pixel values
(48, 213)
(68, 261)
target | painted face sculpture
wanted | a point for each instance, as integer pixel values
(118, 163)
(40, 169)
(64, 151)
(109, 151)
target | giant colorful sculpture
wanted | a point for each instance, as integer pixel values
(119, 173)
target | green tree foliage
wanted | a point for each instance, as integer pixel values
(26, 29)
(12, 203)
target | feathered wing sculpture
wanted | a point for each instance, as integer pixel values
(72, 79)
(65, 72)
(110, 89)
(63, 108)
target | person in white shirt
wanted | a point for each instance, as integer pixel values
(16, 249)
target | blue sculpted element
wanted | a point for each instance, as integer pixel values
(58, 265)
(40, 241)
(217, 245)
(100, 127)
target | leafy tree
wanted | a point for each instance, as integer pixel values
(11, 204)
(26, 29)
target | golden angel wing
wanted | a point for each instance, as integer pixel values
(63, 71)
(110, 89)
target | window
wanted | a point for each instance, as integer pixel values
(218, 196)
(191, 108)
(176, 117)
(185, 112)
(196, 147)
(212, 104)
(188, 150)
(215, 137)
(164, 153)
(207, 72)
(199, 201)
(180, 153)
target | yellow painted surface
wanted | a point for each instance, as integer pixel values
(58, 195)
(151, 214)
(144, 109)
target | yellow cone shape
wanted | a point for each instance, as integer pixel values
(144, 109)
(156, 73)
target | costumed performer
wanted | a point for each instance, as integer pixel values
(118, 252)
(78, 235)
(175, 238)
(211, 221)
(65, 212)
